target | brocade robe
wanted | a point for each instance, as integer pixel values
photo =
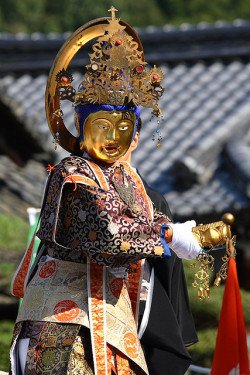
(91, 218)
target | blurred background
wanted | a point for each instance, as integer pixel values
(203, 165)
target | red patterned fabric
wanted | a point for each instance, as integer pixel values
(20, 277)
(98, 173)
(97, 318)
(134, 279)
(122, 361)
(102, 352)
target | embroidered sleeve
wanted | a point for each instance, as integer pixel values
(160, 216)
(159, 220)
(80, 216)
(104, 227)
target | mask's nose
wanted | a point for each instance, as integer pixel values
(111, 136)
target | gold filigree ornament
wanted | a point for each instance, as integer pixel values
(201, 278)
(117, 74)
(213, 236)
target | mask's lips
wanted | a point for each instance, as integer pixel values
(111, 148)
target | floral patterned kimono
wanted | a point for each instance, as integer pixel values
(80, 307)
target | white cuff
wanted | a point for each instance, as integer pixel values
(183, 241)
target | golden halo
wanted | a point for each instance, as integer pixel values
(77, 40)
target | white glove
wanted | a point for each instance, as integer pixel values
(183, 241)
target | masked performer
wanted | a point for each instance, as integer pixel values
(97, 224)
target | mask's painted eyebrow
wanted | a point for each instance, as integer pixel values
(102, 120)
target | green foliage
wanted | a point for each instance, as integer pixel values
(207, 312)
(206, 315)
(13, 233)
(202, 352)
(62, 15)
(7, 270)
(13, 242)
(6, 329)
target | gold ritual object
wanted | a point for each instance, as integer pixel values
(213, 236)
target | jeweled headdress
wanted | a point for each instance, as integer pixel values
(117, 74)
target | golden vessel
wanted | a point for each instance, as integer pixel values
(214, 235)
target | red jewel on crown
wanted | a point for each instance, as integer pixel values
(139, 69)
(65, 79)
(118, 42)
(155, 77)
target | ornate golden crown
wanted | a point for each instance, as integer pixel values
(117, 73)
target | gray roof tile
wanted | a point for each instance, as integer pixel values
(204, 105)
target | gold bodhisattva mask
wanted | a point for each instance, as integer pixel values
(108, 135)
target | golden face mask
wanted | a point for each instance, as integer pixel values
(108, 135)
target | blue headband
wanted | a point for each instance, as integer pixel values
(83, 111)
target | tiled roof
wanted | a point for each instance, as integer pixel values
(206, 105)
(22, 53)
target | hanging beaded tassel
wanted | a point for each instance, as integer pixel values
(56, 140)
(159, 138)
(158, 133)
(230, 251)
(59, 114)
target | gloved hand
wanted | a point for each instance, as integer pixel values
(183, 241)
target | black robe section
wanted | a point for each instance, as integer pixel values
(170, 326)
